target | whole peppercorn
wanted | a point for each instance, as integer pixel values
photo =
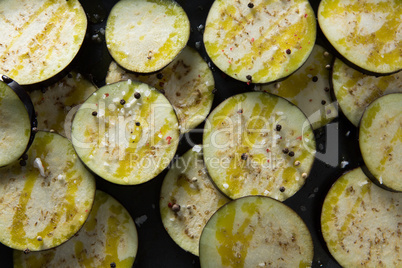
(159, 76)
(176, 208)
(249, 77)
(278, 127)
(315, 78)
(244, 156)
(94, 113)
(250, 5)
(137, 95)
(112, 265)
(285, 151)
(137, 124)
(282, 189)
(288, 51)
(291, 153)
(122, 102)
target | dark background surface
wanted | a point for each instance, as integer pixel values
(156, 248)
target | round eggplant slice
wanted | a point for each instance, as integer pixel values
(187, 83)
(54, 104)
(367, 33)
(15, 126)
(257, 143)
(309, 88)
(146, 35)
(259, 41)
(361, 223)
(107, 239)
(46, 198)
(256, 231)
(355, 90)
(380, 140)
(188, 200)
(39, 38)
(126, 132)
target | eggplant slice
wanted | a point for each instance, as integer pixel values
(259, 41)
(39, 38)
(361, 223)
(257, 143)
(15, 126)
(367, 33)
(354, 90)
(309, 89)
(256, 231)
(126, 132)
(146, 35)
(46, 199)
(108, 238)
(380, 140)
(188, 199)
(54, 104)
(187, 83)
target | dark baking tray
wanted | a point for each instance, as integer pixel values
(336, 142)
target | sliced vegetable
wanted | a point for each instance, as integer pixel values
(367, 33)
(146, 35)
(257, 143)
(126, 132)
(54, 103)
(15, 126)
(187, 83)
(309, 88)
(188, 200)
(355, 90)
(380, 140)
(361, 223)
(107, 239)
(256, 231)
(39, 38)
(46, 198)
(259, 41)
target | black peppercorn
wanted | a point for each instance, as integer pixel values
(315, 78)
(137, 95)
(282, 189)
(94, 113)
(137, 124)
(113, 265)
(278, 127)
(244, 156)
(159, 76)
(288, 51)
(23, 163)
(249, 77)
(291, 153)
(122, 102)
(285, 151)
(250, 5)
(323, 102)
